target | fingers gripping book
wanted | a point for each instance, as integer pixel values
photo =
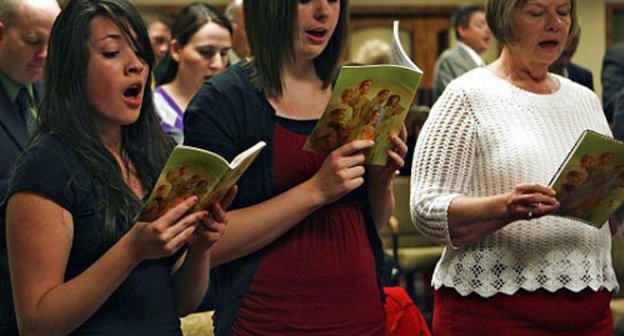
(191, 171)
(368, 102)
(590, 181)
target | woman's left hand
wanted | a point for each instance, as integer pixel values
(212, 225)
(379, 179)
(396, 158)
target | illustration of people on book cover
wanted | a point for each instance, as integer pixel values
(179, 183)
(190, 172)
(591, 186)
(369, 102)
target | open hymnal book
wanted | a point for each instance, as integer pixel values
(191, 171)
(368, 102)
(590, 181)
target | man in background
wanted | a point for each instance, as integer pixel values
(240, 46)
(473, 38)
(612, 77)
(25, 26)
(159, 31)
(576, 73)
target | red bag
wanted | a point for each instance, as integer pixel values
(403, 318)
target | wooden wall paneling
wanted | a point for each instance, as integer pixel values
(613, 12)
(171, 10)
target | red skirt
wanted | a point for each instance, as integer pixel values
(539, 313)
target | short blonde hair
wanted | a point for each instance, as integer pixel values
(373, 51)
(499, 14)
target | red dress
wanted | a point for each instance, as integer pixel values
(318, 278)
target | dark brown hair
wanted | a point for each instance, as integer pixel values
(270, 26)
(189, 20)
(67, 113)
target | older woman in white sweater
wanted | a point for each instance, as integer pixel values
(482, 162)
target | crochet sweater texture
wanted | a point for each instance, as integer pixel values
(482, 137)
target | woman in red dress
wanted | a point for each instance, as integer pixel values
(302, 252)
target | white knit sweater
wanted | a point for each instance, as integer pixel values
(482, 137)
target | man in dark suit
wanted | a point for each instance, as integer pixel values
(240, 45)
(580, 75)
(612, 77)
(24, 29)
(473, 36)
(25, 26)
(158, 27)
(576, 73)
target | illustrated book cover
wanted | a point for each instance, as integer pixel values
(590, 181)
(368, 102)
(193, 171)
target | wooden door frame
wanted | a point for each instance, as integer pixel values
(609, 10)
(399, 12)
(171, 10)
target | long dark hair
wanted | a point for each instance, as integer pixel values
(270, 27)
(67, 113)
(186, 23)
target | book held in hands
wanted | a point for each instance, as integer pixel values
(590, 181)
(191, 171)
(368, 102)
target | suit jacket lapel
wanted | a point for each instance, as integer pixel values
(38, 90)
(11, 122)
(469, 63)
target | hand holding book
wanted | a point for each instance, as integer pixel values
(530, 200)
(191, 171)
(211, 226)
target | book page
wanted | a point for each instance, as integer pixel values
(590, 182)
(237, 168)
(246, 157)
(189, 171)
(398, 55)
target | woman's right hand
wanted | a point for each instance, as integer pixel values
(531, 200)
(470, 219)
(341, 172)
(166, 235)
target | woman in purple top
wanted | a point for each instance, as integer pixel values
(202, 37)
